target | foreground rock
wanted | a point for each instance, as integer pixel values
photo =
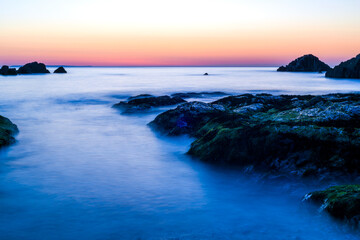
(348, 69)
(307, 63)
(146, 101)
(6, 71)
(7, 131)
(301, 135)
(60, 70)
(342, 202)
(33, 67)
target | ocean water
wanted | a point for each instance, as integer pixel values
(82, 170)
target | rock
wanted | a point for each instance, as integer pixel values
(186, 118)
(60, 70)
(348, 69)
(6, 71)
(205, 74)
(33, 67)
(199, 94)
(302, 135)
(307, 63)
(342, 202)
(145, 101)
(7, 131)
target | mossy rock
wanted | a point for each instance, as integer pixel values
(342, 202)
(7, 131)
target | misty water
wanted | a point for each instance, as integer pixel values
(82, 170)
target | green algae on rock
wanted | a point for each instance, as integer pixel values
(7, 131)
(302, 135)
(342, 202)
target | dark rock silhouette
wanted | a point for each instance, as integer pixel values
(348, 69)
(5, 70)
(33, 67)
(205, 74)
(307, 63)
(145, 101)
(60, 70)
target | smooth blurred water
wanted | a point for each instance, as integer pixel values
(81, 170)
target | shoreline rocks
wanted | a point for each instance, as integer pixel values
(7, 131)
(145, 102)
(306, 63)
(348, 69)
(341, 202)
(300, 135)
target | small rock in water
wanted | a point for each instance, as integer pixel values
(205, 74)
(6, 71)
(60, 70)
(33, 67)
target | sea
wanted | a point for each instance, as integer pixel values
(81, 169)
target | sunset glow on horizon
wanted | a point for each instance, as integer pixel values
(177, 33)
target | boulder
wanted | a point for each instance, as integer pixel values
(33, 67)
(60, 70)
(307, 63)
(6, 71)
(342, 202)
(205, 74)
(7, 131)
(348, 69)
(145, 102)
(292, 134)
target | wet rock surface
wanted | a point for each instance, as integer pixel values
(301, 135)
(306, 63)
(341, 202)
(7, 131)
(146, 101)
(348, 69)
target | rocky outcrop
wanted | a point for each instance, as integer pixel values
(7, 131)
(146, 101)
(33, 67)
(301, 135)
(199, 94)
(6, 71)
(348, 69)
(342, 202)
(307, 63)
(60, 70)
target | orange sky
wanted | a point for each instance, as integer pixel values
(228, 33)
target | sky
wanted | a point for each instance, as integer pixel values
(177, 33)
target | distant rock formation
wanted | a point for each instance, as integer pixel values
(348, 69)
(33, 67)
(205, 74)
(307, 63)
(5, 71)
(60, 70)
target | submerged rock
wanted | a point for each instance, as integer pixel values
(60, 70)
(33, 67)
(6, 71)
(348, 69)
(306, 63)
(342, 202)
(7, 131)
(146, 101)
(302, 135)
